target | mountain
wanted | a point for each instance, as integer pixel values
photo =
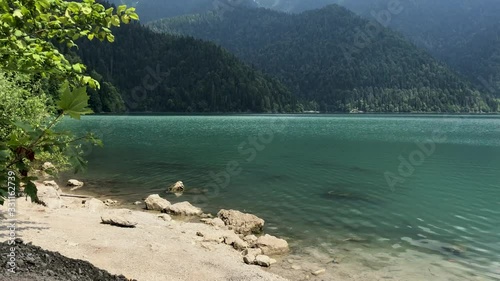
(335, 59)
(463, 33)
(166, 73)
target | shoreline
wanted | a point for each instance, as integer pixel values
(159, 245)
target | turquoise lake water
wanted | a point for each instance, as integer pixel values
(425, 183)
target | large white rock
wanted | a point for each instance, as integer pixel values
(272, 245)
(184, 209)
(95, 205)
(240, 222)
(178, 187)
(48, 166)
(156, 203)
(49, 196)
(52, 183)
(263, 260)
(75, 184)
(120, 217)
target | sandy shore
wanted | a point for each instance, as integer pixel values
(154, 250)
(164, 250)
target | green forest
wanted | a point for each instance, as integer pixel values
(145, 71)
(335, 61)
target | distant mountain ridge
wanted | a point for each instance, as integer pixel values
(325, 57)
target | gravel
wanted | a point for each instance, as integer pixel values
(36, 264)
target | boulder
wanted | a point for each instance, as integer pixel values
(263, 260)
(48, 196)
(178, 187)
(234, 240)
(241, 223)
(53, 184)
(156, 203)
(48, 166)
(75, 184)
(95, 205)
(250, 239)
(121, 218)
(272, 245)
(183, 208)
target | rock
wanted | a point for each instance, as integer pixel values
(156, 203)
(263, 260)
(178, 187)
(110, 202)
(137, 203)
(214, 222)
(241, 223)
(271, 245)
(53, 184)
(272, 261)
(165, 217)
(49, 196)
(252, 251)
(296, 267)
(95, 205)
(318, 272)
(235, 241)
(76, 184)
(183, 208)
(120, 218)
(250, 239)
(210, 236)
(249, 259)
(48, 166)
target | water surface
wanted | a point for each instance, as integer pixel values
(395, 184)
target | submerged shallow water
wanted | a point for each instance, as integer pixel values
(393, 184)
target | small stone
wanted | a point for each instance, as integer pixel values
(263, 260)
(296, 267)
(318, 272)
(178, 187)
(118, 218)
(137, 203)
(249, 259)
(165, 217)
(53, 184)
(48, 166)
(76, 184)
(272, 261)
(156, 203)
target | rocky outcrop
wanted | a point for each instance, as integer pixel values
(183, 209)
(272, 245)
(156, 203)
(178, 187)
(75, 184)
(121, 218)
(94, 205)
(240, 222)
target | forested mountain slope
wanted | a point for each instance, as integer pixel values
(336, 59)
(156, 72)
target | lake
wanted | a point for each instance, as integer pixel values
(348, 186)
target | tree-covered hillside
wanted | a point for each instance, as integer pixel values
(463, 33)
(336, 60)
(156, 72)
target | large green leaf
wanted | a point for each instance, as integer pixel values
(74, 103)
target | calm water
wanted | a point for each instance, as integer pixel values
(393, 183)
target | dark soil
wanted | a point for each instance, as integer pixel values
(36, 264)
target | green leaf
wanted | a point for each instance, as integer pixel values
(24, 126)
(74, 103)
(121, 8)
(18, 33)
(4, 154)
(18, 14)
